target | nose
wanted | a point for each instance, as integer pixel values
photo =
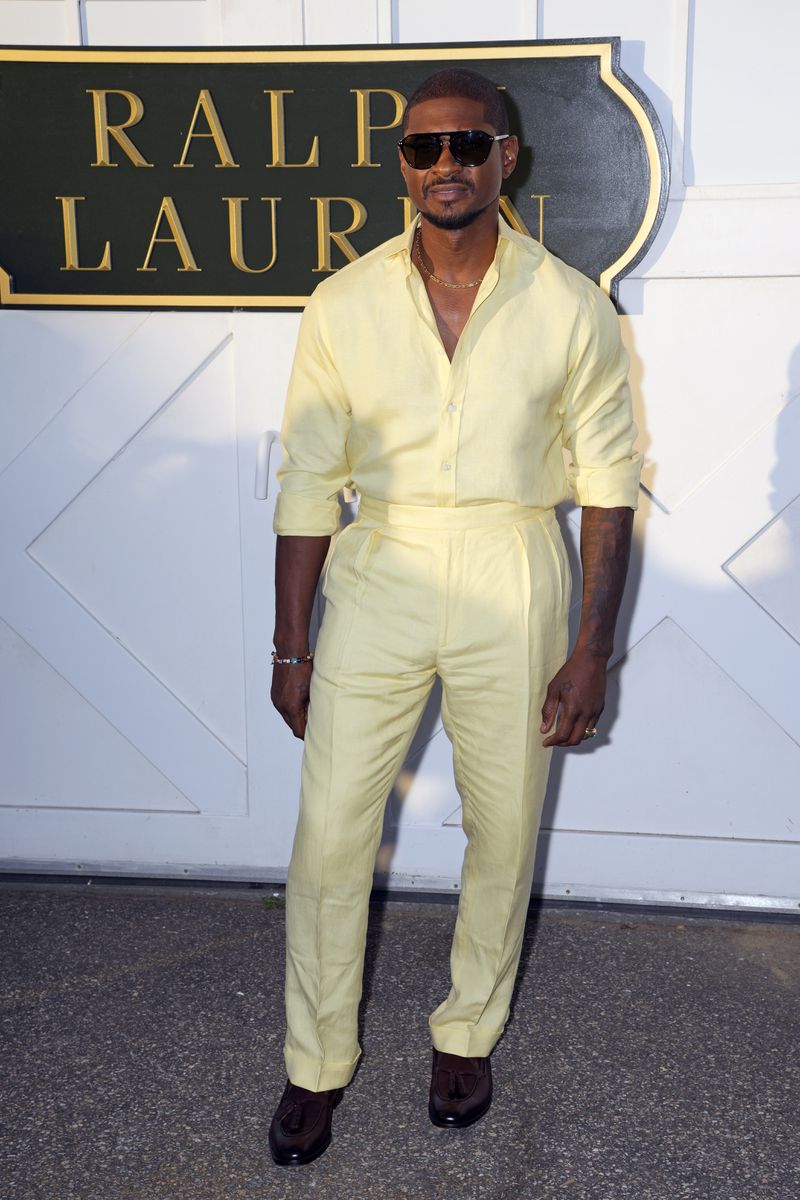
(445, 161)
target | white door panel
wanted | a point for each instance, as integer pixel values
(261, 22)
(702, 392)
(768, 568)
(39, 22)
(136, 544)
(59, 752)
(37, 385)
(104, 463)
(146, 547)
(419, 21)
(725, 116)
(149, 23)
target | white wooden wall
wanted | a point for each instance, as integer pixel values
(135, 613)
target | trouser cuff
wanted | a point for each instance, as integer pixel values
(468, 1043)
(315, 1075)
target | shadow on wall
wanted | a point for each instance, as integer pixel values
(767, 566)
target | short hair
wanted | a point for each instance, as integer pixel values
(469, 85)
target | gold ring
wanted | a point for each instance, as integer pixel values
(591, 731)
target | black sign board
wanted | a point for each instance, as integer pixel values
(164, 178)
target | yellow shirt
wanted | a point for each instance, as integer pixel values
(374, 402)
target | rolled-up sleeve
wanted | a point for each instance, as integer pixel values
(314, 434)
(598, 428)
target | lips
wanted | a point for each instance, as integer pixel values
(447, 191)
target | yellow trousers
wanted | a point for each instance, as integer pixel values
(477, 595)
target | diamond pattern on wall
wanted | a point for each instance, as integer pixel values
(768, 568)
(58, 751)
(149, 547)
(702, 392)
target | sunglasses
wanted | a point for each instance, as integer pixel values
(469, 147)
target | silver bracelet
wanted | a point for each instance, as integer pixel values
(298, 659)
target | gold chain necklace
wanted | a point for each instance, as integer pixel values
(436, 278)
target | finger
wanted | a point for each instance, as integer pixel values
(302, 722)
(549, 709)
(559, 726)
(295, 718)
(578, 732)
(591, 723)
(564, 728)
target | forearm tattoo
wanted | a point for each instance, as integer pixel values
(605, 552)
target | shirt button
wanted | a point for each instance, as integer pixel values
(445, 466)
(451, 408)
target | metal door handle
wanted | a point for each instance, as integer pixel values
(263, 453)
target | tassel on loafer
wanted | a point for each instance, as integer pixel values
(461, 1090)
(301, 1127)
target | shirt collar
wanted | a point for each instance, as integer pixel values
(403, 244)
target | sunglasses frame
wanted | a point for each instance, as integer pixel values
(496, 137)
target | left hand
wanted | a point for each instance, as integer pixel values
(580, 689)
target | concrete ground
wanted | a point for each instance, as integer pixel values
(648, 1056)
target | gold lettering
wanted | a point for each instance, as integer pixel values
(541, 197)
(236, 236)
(71, 256)
(409, 210)
(102, 128)
(364, 126)
(278, 122)
(205, 104)
(178, 238)
(326, 235)
(515, 220)
(512, 216)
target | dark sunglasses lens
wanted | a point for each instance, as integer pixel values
(471, 148)
(421, 151)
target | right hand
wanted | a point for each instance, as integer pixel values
(291, 683)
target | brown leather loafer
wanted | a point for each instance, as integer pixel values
(301, 1128)
(461, 1090)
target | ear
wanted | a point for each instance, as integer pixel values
(510, 154)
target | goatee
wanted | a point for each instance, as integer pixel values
(457, 220)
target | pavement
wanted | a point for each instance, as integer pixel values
(649, 1055)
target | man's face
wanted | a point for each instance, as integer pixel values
(448, 194)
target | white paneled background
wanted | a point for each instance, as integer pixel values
(136, 556)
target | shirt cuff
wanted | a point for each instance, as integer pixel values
(608, 487)
(304, 516)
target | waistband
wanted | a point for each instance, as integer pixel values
(466, 516)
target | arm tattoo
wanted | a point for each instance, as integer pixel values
(605, 551)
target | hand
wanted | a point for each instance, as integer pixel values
(580, 689)
(291, 683)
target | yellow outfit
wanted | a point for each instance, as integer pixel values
(456, 567)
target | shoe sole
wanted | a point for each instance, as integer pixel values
(299, 1160)
(440, 1123)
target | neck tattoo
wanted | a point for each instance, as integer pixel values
(430, 274)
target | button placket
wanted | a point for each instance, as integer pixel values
(449, 431)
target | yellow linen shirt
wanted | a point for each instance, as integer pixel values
(374, 402)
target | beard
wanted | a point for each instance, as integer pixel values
(454, 220)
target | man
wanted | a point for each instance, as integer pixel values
(441, 374)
